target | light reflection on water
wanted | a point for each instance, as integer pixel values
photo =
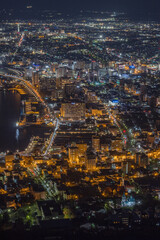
(12, 138)
(17, 134)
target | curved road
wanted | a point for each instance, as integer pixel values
(34, 92)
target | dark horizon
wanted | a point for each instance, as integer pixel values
(135, 7)
(35, 14)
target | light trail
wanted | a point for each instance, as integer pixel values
(52, 137)
(34, 92)
(21, 40)
(18, 45)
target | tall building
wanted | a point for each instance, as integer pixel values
(35, 79)
(82, 148)
(117, 145)
(126, 167)
(141, 159)
(61, 72)
(73, 111)
(96, 143)
(91, 97)
(28, 73)
(18, 28)
(143, 92)
(91, 159)
(73, 154)
(58, 83)
(79, 65)
(28, 107)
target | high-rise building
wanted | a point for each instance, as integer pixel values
(82, 148)
(18, 28)
(73, 154)
(35, 79)
(58, 93)
(73, 111)
(79, 65)
(158, 101)
(141, 159)
(126, 167)
(91, 97)
(58, 83)
(96, 143)
(28, 107)
(91, 159)
(61, 72)
(28, 73)
(117, 145)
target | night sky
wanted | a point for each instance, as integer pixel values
(133, 7)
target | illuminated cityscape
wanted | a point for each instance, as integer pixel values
(79, 125)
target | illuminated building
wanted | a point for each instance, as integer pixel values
(35, 79)
(82, 160)
(102, 72)
(73, 154)
(18, 28)
(28, 73)
(28, 107)
(141, 159)
(58, 93)
(126, 167)
(9, 158)
(91, 97)
(79, 65)
(0, 83)
(82, 148)
(91, 159)
(96, 143)
(128, 202)
(38, 192)
(96, 112)
(158, 101)
(117, 145)
(61, 72)
(73, 111)
(58, 83)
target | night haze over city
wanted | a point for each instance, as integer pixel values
(80, 120)
(135, 8)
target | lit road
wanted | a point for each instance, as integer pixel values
(17, 72)
(47, 185)
(36, 94)
(52, 137)
(29, 86)
(116, 123)
(128, 137)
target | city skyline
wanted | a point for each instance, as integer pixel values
(79, 124)
(134, 7)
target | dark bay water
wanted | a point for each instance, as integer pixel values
(11, 138)
(9, 115)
